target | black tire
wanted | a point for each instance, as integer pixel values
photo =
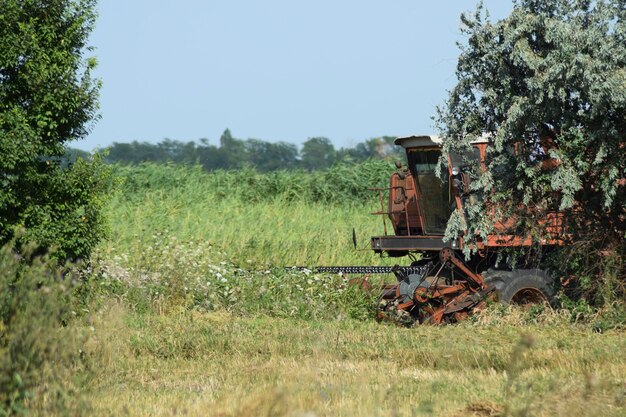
(521, 286)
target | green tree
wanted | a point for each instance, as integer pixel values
(48, 98)
(318, 153)
(232, 151)
(375, 148)
(548, 80)
(267, 156)
(208, 155)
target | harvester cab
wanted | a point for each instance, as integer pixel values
(419, 202)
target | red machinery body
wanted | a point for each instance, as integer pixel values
(418, 207)
(420, 204)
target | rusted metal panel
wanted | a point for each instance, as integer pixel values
(408, 243)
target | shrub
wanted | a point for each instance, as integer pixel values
(36, 350)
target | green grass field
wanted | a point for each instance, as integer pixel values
(192, 313)
(278, 219)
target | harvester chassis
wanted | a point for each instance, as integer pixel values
(434, 297)
(441, 288)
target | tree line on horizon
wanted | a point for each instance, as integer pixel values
(232, 153)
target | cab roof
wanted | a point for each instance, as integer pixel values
(419, 141)
(427, 141)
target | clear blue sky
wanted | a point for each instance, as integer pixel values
(274, 70)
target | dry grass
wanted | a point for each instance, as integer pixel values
(199, 364)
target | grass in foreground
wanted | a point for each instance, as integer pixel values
(216, 364)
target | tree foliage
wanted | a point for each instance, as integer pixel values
(547, 81)
(48, 98)
(316, 153)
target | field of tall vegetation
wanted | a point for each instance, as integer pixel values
(280, 218)
(188, 309)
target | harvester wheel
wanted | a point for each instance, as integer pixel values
(521, 286)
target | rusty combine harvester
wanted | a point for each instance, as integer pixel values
(440, 286)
